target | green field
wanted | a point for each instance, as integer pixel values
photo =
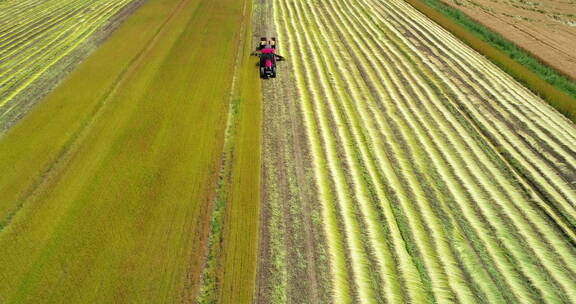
(41, 41)
(108, 184)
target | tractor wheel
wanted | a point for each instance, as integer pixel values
(262, 73)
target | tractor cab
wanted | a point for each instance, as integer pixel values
(266, 50)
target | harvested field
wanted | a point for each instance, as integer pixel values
(402, 166)
(545, 28)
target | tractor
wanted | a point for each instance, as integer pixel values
(266, 50)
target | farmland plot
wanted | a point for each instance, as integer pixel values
(40, 41)
(410, 165)
(107, 186)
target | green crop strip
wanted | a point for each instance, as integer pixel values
(116, 169)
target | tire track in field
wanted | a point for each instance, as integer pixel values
(390, 129)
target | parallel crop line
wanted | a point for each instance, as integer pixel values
(28, 37)
(377, 240)
(444, 38)
(31, 24)
(543, 227)
(376, 56)
(49, 44)
(429, 217)
(548, 260)
(565, 191)
(552, 213)
(65, 48)
(339, 275)
(358, 255)
(404, 101)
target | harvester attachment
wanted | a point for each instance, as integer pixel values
(266, 43)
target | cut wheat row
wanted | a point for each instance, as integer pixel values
(344, 198)
(339, 275)
(28, 67)
(516, 198)
(354, 138)
(329, 99)
(429, 219)
(565, 192)
(41, 18)
(542, 227)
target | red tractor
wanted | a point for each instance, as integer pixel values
(266, 50)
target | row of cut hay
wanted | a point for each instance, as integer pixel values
(359, 160)
(339, 275)
(455, 88)
(18, 18)
(363, 44)
(28, 56)
(409, 209)
(461, 96)
(38, 22)
(13, 9)
(551, 213)
(366, 156)
(465, 175)
(432, 220)
(381, 119)
(39, 43)
(559, 90)
(544, 256)
(543, 118)
(344, 196)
